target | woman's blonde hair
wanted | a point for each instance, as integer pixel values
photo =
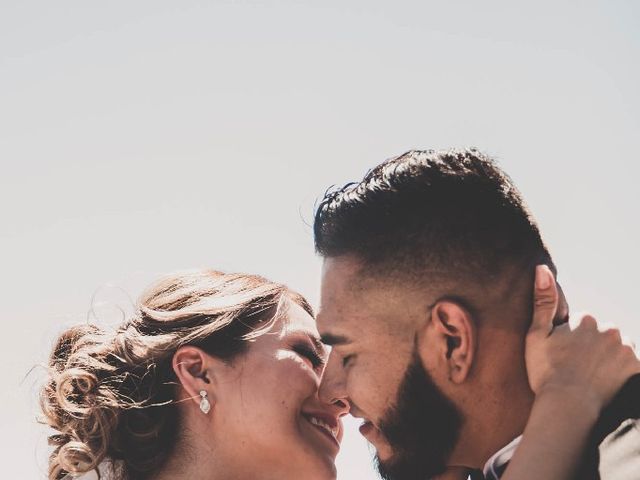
(111, 396)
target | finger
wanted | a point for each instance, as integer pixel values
(586, 321)
(626, 340)
(545, 300)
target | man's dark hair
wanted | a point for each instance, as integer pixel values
(452, 211)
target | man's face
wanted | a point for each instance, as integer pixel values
(374, 365)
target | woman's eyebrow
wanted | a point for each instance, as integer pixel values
(318, 345)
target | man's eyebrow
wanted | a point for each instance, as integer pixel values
(330, 339)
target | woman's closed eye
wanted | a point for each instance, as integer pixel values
(310, 354)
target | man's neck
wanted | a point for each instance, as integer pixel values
(500, 416)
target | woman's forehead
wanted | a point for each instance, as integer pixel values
(297, 320)
(294, 324)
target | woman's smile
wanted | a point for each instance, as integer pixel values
(325, 425)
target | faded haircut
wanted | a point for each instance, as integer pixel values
(452, 211)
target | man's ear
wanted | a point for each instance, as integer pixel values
(562, 313)
(194, 370)
(449, 340)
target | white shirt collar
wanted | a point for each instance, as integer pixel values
(499, 458)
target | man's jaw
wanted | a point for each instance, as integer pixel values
(370, 431)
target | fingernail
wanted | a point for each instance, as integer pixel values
(543, 281)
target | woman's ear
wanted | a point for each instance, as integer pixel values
(448, 341)
(194, 370)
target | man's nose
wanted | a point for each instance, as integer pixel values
(342, 406)
(332, 386)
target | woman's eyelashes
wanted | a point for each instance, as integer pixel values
(310, 354)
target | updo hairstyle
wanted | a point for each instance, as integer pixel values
(111, 395)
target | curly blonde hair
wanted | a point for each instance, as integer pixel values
(112, 395)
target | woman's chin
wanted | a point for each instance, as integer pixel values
(324, 463)
(316, 465)
(321, 450)
(326, 471)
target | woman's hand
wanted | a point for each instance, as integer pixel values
(575, 369)
(577, 358)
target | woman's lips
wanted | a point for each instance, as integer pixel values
(325, 433)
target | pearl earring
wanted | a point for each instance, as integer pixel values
(205, 406)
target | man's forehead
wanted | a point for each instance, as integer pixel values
(336, 320)
(347, 285)
(329, 323)
(354, 308)
(336, 291)
(340, 272)
(349, 275)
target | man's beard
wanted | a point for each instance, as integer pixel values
(422, 428)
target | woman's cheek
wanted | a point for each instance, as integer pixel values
(293, 361)
(301, 376)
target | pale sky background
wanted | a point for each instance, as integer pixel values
(137, 138)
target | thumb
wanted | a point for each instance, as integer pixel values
(545, 301)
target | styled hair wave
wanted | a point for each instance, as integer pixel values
(111, 395)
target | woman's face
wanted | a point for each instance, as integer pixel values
(267, 404)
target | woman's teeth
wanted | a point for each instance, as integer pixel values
(327, 427)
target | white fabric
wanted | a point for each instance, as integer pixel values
(501, 457)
